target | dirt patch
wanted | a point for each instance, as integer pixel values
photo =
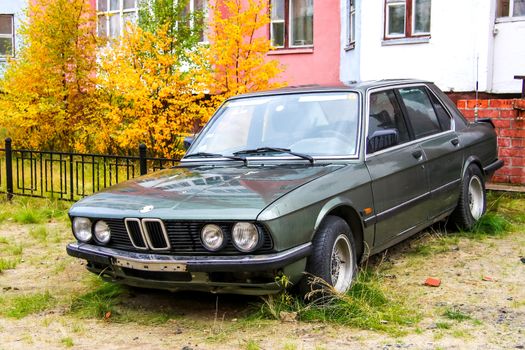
(479, 304)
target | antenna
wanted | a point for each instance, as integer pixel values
(477, 89)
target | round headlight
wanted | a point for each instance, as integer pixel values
(102, 232)
(82, 229)
(245, 236)
(212, 237)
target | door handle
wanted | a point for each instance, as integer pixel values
(455, 141)
(417, 154)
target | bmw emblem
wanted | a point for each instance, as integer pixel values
(146, 209)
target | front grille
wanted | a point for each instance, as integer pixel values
(135, 233)
(156, 234)
(183, 237)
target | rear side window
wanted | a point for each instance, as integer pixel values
(385, 113)
(442, 114)
(420, 111)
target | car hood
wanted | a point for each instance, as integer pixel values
(201, 192)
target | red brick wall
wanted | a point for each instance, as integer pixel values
(509, 118)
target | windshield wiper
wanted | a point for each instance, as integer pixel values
(275, 149)
(214, 155)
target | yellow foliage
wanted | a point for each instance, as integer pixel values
(49, 88)
(66, 91)
(237, 54)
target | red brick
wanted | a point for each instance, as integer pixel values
(509, 152)
(518, 124)
(501, 123)
(508, 113)
(517, 180)
(506, 160)
(518, 161)
(432, 282)
(505, 142)
(512, 133)
(511, 171)
(501, 103)
(488, 113)
(519, 103)
(479, 103)
(461, 104)
(515, 142)
(468, 113)
(500, 178)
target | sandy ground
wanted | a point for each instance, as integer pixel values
(205, 321)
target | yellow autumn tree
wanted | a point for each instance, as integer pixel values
(237, 59)
(49, 89)
(147, 94)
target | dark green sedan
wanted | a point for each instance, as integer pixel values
(295, 182)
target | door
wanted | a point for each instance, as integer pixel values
(432, 126)
(399, 181)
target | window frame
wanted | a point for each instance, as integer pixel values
(510, 14)
(413, 140)
(350, 24)
(9, 36)
(108, 13)
(409, 21)
(288, 27)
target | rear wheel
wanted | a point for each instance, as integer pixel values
(333, 258)
(472, 200)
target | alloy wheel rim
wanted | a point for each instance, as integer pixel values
(475, 197)
(341, 262)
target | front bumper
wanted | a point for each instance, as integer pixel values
(196, 272)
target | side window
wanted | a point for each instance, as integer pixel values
(420, 111)
(385, 113)
(442, 114)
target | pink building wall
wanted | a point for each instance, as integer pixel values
(320, 64)
(316, 65)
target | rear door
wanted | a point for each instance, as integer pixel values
(399, 181)
(432, 127)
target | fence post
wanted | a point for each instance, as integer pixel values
(142, 159)
(9, 168)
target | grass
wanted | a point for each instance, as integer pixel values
(97, 303)
(68, 342)
(20, 306)
(8, 263)
(456, 315)
(368, 305)
(26, 210)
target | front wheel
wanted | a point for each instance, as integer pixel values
(472, 200)
(333, 258)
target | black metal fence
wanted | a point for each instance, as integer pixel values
(69, 176)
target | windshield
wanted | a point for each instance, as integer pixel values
(316, 124)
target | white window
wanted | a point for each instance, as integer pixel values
(350, 25)
(291, 23)
(7, 35)
(398, 14)
(511, 8)
(113, 16)
(201, 7)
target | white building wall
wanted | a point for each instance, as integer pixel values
(16, 8)
(459, 35)
(509, 55)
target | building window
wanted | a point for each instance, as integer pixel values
(291, 23)
(407, 18)
(350, 24)
(201, 7)
(113, 16)
(7, 35)
(511, 8)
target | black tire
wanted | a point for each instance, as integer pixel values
(324, 259)
(472, 200)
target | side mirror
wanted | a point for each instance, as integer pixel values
(188, 140)
(381, 139)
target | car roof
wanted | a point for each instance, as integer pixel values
(362, 86)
